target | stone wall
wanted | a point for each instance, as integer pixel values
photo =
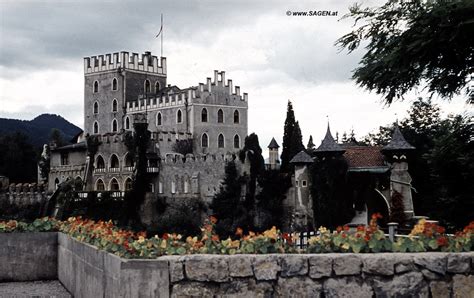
(28, 256)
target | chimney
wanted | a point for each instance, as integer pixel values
(216, 73)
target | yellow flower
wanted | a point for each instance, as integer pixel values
(322, 230)
(272, 233)
(346, 246)
(141, 239)
(313, 240)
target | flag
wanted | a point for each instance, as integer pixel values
(161, 28)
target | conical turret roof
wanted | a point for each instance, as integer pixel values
(397, 142)
(329, 144)
(301, 157)
(273, 144)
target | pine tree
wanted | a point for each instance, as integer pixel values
(288, 130)
(296, 141)
(310, 145)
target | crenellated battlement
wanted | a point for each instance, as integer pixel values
(171, 99)
(219, 85)
(191, 159)
(145, 62)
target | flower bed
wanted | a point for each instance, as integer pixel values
(424, 237)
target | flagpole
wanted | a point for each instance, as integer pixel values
(161, 35)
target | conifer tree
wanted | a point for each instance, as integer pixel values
(292, 139)
(310, 145)
(296, 141)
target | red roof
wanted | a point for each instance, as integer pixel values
(364, 157)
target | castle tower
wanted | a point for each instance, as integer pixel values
(113, 80)
(302, 204)
(396, 152)
(274, 162)
(328, 147)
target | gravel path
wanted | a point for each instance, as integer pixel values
(52, 288)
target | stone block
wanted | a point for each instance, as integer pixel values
(404, 265)
(435, 262)
(378, 264)
(240, 266)
(206, 268)
(293, 265)
(320, 266)
(301, 286)
(430, 275)
(463, 286)
(193, 289)
(244, 288)
(440, 289)
(459, 263)
(266, 267)
(346, 287)
(347, 264)
(410, 284)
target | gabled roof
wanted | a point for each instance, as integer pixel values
(273, 144)
(397, 142)
(328, 144)
(301, 157)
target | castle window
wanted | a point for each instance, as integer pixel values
(173, 187)
(236, 116)
(297, 183)
(147, 86)
(114, 162)
(179, 117)
(151, 187)
(236, 142)
(220, 116)
(114, 105)
(96, 107)
(204, 141)
(186, 186)
(114, 185)
(56, 183)
(160, 187)
(204, 115)
(99, 185)
(96, 127)
(304, 183)
(114, 84)
(220, 141)
(64, 158)
(127, 123)
(157, 87)
(128, 184)
(128, 160)
(158, 119)
(114, 125)
(96, 86)
(99, 163)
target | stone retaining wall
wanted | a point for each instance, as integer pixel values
(28, 256)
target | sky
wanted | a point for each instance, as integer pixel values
(272, 56)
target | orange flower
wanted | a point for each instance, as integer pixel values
(215, 238)
(239, 232)
(288, 238)
(346, 228)
(367, 237)
(376, 215)
(360, 228)
(344, 235)
(213, 219)
(440, 229)
(165, 236)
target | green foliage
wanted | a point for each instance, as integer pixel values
(18, 158)
(93, 144)
(332, 205)
(183, 146)
(410, 42)
(56, 137)
(257, 165)
(179, 217)
(292, 140)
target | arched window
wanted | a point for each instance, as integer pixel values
(114, 125)
(204, 140)
(114, 84)
(128, 184)
(114, 162)
(114, 105)
(99, 185)
(236, 116)
(128, 160)
(147, 86)
(204, 115)
(220, 141)
(96, 107)
(236, 142)
(179, 117)
(114, 185)
(158, 119)
(220, 116)
(99, 162)
(96, 127)
(157, 87)
(127, 123)
(96, 86)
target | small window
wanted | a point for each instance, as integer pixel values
(99, 185)
(100, 164)
(147, 86)
(96, 127)
(236, 142)
(173, 187)
(220, 141)
(204, 141)
(96, 86)
(114, 185)
(114, 105)
(64, 158)
(128, 184)
(160, 187)
(204, 115)
(304, 183)
(158, 119)
(157, 87)
(186, 186)
(220, 116)
(236, 116)
(151, 187)
(114, 162)
(96, 107)
(114, 125)
(114, 84)
(179, 117)
(127, 123)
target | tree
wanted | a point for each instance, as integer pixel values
(18, 158)
(56, 137)
(288, 131)
(410, 42)
(310, 145)
(296, 141)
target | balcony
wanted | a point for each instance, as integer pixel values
(152, 169)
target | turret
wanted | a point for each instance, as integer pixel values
(274, 162)
(329, 147)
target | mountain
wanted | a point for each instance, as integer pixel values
(39, 129)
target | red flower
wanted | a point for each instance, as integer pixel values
(213, 219)
(344, 235)
(339, 229)
(440, 229)
(287, 237)
(346, 228)
(367, 237)
(442, 241)
(239, 232)
(360, 228)
(376, 215)
(165, 236)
